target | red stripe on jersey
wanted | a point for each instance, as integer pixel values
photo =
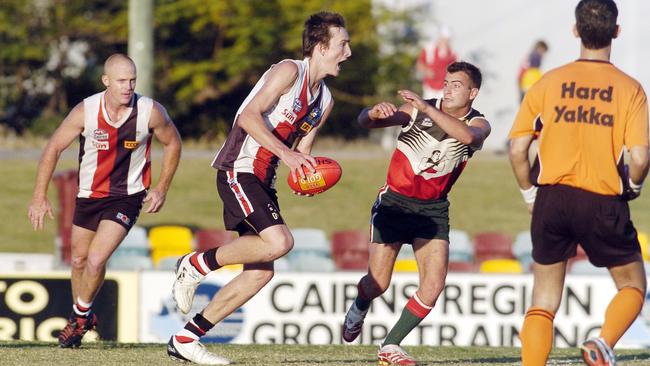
(284, 130)
(146, 174)
(101, 184)
(303, 100)
(262, 164)
(265, 161)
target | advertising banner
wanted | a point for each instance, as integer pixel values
(309, 308)
(35, 307)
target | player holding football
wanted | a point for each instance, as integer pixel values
(286, 108)
(585, 114)
(114, 128)
(438, 137)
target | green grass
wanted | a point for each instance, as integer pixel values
(485, 198)
(104, 353)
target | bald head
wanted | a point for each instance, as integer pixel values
(119, 78)
(117, 60)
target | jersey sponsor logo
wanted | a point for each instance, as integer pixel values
(100, 135)
(427, 122)
(100, 145)
(572, 91)
(310, 120)
(584, 114)
(297, 105)
(290, 116)
(130, 144)
(122, 217)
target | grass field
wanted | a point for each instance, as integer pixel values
(27, 353)
(485, 197)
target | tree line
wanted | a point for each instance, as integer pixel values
(208, 55)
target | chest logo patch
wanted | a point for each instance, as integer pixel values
(297, 106)
(130, 144)
(100, 135)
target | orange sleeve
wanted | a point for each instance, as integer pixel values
(636, 128)
(529, 110)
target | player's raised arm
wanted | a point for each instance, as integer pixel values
(64, 135)
(385, 114)
(473, 134)
(278, 82)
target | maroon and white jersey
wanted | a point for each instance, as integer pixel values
(427, 161)
(114, 156)
(295, 114)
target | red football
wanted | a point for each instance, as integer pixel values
(327, 173)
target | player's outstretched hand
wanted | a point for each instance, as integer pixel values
(414, 99)
(382, 110)
(295, 161)
(37, 210)
(156, 200)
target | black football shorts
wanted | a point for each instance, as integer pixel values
(400, 219)
(124, 210)
(564, 217)
(249, 206)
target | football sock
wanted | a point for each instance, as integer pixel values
(194, 329)
(82, 308)
(205, 262)
(210, 258)
(536, 337)
(621, 312)
(413, 313)
(362, 301)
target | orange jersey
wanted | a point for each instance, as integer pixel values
(585, 113)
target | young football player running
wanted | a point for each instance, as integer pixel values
(286, 108)
(438, 137)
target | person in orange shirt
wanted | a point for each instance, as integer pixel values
(585, 114)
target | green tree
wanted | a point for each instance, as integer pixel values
(208, 54)
(47, 55)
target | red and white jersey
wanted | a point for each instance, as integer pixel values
(295, 114)
(427, 161)
(114, 156)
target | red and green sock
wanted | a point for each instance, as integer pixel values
(412, 315)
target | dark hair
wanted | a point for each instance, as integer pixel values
(541, 44)
(317, 30)
(472, 71)
(596, 22)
